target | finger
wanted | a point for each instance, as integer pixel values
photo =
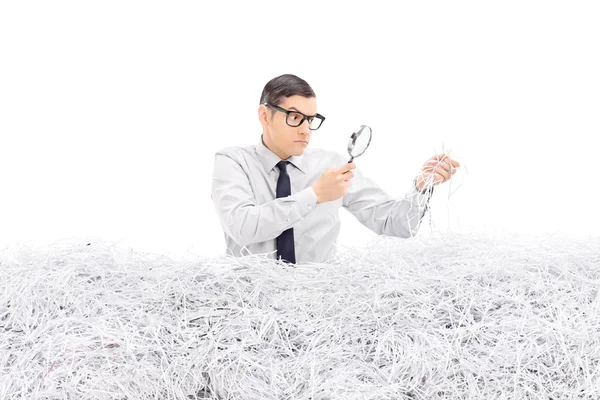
(346, 175)
(439, 157)
(428, 169)
(439, 178)
(448, 164)
(346, 167)
(430, 179)
(433, 165)
(439, 175)
(441, 171)
(454, 163)
(436, 163)
(446, 158)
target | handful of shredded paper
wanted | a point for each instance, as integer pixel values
(462, 316)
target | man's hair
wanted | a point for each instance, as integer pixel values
(285, 86)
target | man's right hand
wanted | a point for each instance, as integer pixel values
(334, 183)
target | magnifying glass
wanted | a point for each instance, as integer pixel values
(359, 141)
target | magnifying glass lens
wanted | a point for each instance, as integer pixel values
(361, 143)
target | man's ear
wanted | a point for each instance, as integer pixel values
(263, 114)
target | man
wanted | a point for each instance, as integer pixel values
(282, 198)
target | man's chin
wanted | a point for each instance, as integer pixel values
(298, 150)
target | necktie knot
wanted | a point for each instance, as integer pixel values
(282, 165)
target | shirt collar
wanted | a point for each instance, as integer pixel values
(269, 160)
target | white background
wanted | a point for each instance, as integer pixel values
(111, 112)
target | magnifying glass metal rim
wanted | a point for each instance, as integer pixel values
(355, 136)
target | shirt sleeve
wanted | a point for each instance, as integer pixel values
(383, 214)
(242, 219)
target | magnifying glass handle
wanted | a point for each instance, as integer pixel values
(351, 158)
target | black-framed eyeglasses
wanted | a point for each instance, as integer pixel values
(296, 118)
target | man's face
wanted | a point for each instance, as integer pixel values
(282, 139)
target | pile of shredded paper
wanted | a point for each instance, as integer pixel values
(458, 316)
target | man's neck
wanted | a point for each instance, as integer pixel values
(279, 154)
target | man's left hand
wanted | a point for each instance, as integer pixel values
(440, 167)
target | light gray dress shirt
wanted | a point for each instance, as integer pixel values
(243, 191)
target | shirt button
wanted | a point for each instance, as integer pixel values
(310, 207)
(288, 220)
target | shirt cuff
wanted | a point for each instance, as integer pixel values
(419, 198)
(307, 200)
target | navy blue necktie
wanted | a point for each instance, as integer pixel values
(285, 241)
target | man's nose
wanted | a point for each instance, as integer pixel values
(305, 127)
